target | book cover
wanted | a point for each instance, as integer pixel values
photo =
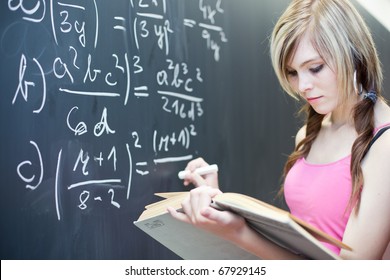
(190, 242)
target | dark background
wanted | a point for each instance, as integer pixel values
(244, 123)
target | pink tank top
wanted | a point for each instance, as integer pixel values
(319, 194)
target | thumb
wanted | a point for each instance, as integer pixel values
(219, 217)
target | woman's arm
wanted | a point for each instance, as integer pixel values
(368, 231)
(198, 212)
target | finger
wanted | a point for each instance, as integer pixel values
(178, 216)
(200, 199)
(191, 167)
(195, 179)
(205, 190)
(219, 217)
(213, 214)
(186, 206)
(196, 163)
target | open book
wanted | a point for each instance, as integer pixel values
(278, 225)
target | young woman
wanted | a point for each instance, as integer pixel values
(338, 178)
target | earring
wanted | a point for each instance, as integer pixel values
(355, 86)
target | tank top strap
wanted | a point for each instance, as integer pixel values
(378, 132)
(381, 127)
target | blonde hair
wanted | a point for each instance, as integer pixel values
(343, 40)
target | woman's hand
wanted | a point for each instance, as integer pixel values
(198, 212)
(225, 224)
(196, 206)
(197, 180)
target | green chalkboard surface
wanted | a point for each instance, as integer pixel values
(103, 102)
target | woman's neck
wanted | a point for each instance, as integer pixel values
(342, 116)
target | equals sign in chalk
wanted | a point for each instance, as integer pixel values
(141, 91)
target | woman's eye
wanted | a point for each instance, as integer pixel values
(291, 73)
(317, 69)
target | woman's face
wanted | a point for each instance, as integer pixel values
(313, 79)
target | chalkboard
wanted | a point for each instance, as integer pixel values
(103, 102)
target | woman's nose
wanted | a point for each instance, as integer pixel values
(304, 84)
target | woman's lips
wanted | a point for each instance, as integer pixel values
(313, 99)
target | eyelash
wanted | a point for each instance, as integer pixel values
(314, 70)
(291, 73)
(317, 69)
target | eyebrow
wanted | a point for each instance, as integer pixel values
(307, 61)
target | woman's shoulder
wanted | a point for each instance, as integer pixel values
(379, 150)
(382, 131)
(381, 140)
(382, 123)
(381, 145)
(382, 115)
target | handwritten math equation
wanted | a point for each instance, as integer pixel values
(125, 77)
